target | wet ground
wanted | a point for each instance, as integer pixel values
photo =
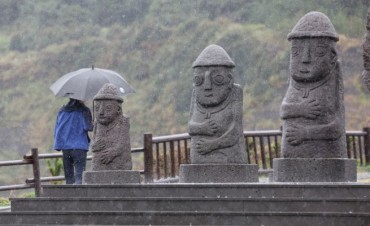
(362, 177)
(5, 209)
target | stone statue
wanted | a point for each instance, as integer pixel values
(215, 125)
(217, 151)
(313, 109)
(366, 53)
(110, 143)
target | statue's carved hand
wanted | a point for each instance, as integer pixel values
(98, 145)
(202, 147)
(295, 135)
(311, 109)
(106, 157)
(366, 79)
(213, 128)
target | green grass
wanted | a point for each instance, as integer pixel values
(363, 169)
(4, 202)
(28, 195)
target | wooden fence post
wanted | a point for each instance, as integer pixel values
(148, 158)
(367, 144)
(36, 172)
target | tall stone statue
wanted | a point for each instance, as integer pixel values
(216, 111)
(366, 53)
(110, 144)
(314, 140)
(217, 151)
(313, 109)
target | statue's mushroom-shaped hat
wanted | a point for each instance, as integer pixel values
(213, 55)
(313, 25)
(109, 92)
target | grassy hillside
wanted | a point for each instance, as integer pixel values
(153, 44)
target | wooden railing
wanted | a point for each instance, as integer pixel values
(164, 154)
(34, 160)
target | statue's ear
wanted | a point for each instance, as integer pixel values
(231, 80)
(334, 56)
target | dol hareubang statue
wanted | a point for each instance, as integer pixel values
(217, 151)
(313, 109)
(314, 139)
(110, 144)
(215, 125)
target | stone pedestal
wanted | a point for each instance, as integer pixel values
(111, 177)
(218, 173)
(315, 170)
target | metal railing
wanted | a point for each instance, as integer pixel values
(164, 154)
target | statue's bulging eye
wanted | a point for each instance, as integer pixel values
(97, 107)
(218, 79)
(198, 80)
(320, 51)
(109, 107)
(295, 51)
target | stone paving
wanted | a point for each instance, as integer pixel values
(5, 209)
(362, 177)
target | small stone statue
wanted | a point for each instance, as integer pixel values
(366, 54)
(215, 125)
(313, 109)
(110, 144)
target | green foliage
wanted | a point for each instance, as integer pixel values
(56, 167)
(28, 195)
(4, 202)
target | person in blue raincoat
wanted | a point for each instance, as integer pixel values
(73, 122)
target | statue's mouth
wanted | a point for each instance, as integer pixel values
(208, 95)
(304, 71)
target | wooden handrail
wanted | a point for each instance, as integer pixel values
(263, 133)
(355, 133)
(15, 162)
(16, 187)
(174, 137)
(182, 136)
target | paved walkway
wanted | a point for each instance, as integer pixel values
(5, 209)
(363, 177)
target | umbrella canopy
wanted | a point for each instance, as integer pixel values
(85, 83)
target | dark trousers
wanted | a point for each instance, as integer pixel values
(74, 162)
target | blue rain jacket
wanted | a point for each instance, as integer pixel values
(71, 129)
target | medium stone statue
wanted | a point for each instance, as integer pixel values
(366, 53)
(215, 125)
(313, 109)
(314, 139)
(110, 143)
(217, 151)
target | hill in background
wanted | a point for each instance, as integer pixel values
(153, 44)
